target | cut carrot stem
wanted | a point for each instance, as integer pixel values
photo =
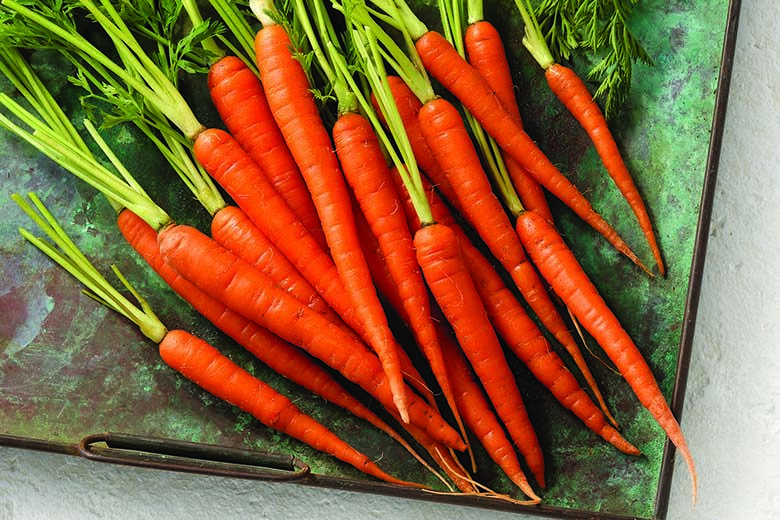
(559, 267)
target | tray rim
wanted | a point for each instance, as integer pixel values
(685, 347)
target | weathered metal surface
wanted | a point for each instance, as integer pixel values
(69, 368)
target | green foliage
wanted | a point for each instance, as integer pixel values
(600, 27)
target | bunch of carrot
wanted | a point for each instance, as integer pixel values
(329, 219)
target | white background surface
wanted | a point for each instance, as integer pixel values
(731, 417)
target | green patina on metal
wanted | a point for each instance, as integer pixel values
(69, 368)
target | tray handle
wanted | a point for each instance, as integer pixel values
(190, 457)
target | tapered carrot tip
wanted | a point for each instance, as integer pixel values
(522, 483)
(399, 399)
(612, 436)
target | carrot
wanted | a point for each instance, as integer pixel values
(570, 90)
(367, 173)
(559, 266)
(520, 333)
(480, 418)
(234, 170)
(444, 131)
(279, 355)
(191, 356)
(245, 290)
(206, 367)
(486, 54)
(288, 92)
(238, 96)
(442, 61)
(574, 94)
(448, 278)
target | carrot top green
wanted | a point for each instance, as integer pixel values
(60, 248)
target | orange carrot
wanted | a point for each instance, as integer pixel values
(444, 63)
(486, 54)
(480, 418)
(574, 94)
(368, 175)
(240, 101)
(235, 171)
(206, 367)
(520, 332)
(249, 292)
(559, 267)
(448, 278)
(279, 355)
(292, 104)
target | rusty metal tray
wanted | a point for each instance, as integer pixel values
(70, 371)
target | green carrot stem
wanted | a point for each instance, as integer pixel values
(533, 40)
(60, 248)
(452, 23)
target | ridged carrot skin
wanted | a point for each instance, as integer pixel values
(235, 231)
(238, 96)
(559, 266)
(296, 113)
(574, 94)
(368, 174)
(480, 418)
(485, 52)
(249, 292)
(204, 365)
(448, 277)
(444, 63)
(279, 355)
(519, 331)
(233, 169)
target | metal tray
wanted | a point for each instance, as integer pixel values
(70, 371)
